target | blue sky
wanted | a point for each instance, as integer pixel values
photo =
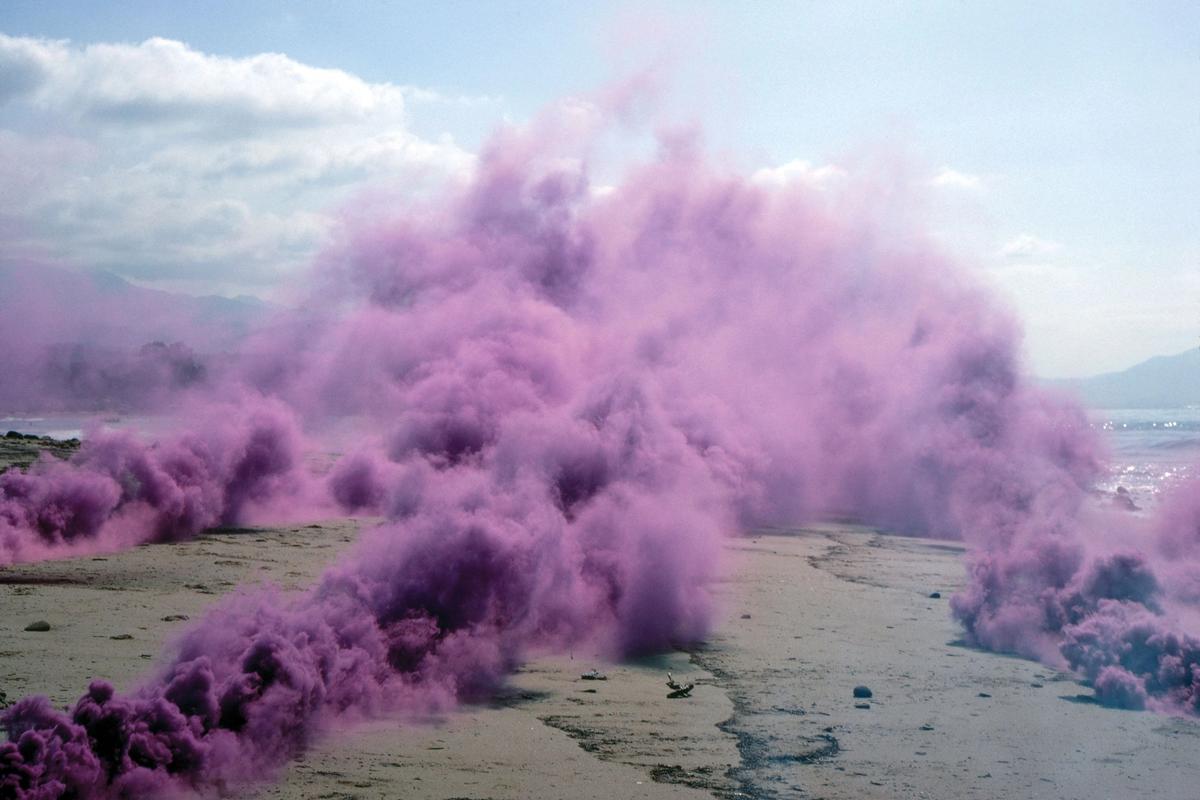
(1059, 142)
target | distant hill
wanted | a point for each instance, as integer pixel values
(1160, 382)
(41, 304)
(73, 341)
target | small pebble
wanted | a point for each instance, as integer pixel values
(40, 626)
(983, 694)
(935, 595)
(862, 705)
(862, 692)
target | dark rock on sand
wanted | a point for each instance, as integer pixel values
(935, 595)
(40, 626)
(862, 692)
(1123, 499)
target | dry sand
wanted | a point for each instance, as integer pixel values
(806, 615)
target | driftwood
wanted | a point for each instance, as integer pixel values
(679, 689)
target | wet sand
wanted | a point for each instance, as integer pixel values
(804, 617)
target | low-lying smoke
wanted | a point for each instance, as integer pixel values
(566, 397)
(118, 491)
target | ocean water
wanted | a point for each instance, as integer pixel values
(76, 425)
(59, 426)
(1151, 449)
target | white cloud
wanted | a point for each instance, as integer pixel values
(161, 80)
(176, 165)
(799, 171)
(947, 178)
(1027, 247)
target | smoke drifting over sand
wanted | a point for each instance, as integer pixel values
(571, 397)
(118, 492)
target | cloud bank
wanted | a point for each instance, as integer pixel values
(166, 163)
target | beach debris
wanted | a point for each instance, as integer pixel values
(593, 675)
(862, 705)
(926, 727)
(121, 636)
(983, 694)
(862, 692)
(935, 595)
(41, 626)
(175, 618)
(678, 689)
(745, 616)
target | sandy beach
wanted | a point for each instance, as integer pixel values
(805, 616)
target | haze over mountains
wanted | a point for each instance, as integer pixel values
(41, 305)
(73, 341)
(1159, 382)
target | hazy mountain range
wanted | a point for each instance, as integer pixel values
(1159, 382)
(41, 305)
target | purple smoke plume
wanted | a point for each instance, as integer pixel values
(566, 398)
(118, 491)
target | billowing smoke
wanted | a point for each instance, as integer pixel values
(562, 398)
(119, 491)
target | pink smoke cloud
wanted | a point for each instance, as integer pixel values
(567, 400)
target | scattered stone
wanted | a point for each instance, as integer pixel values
(121, 637)
(593, 675)
(175, 618)
(862, 705)
(40, 626)
(926, 727)
(935, 595)
(1123, 499)
(588, 691)
(745, 616)
(983, 694)
(1037, 685)
(863, 692)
